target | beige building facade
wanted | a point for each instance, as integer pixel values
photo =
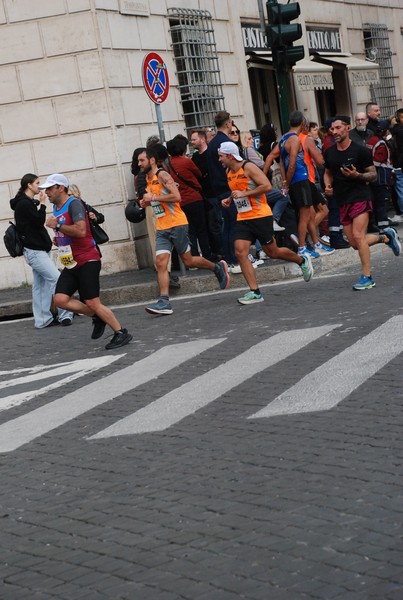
(72, 98)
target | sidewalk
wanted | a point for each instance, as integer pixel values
(141, 286)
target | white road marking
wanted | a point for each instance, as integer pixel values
(190, 397)
(329, 384)
(74, 369)
(26, 428)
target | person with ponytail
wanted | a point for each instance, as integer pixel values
(30, 215)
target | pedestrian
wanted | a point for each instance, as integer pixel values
(248, 186)
(349, 170)
(249, 151)
(214, 219)
(81, 258)
(218, 180)
(30, 216)
(360, 133)
(379, 148)
(373, 111)
(397, 158)
(172, 230)
(189, 181)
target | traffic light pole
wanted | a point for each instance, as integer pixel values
(280, 37)
(281, 77)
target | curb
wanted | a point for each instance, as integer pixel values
(195, 283)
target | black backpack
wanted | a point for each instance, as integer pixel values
(13, 241)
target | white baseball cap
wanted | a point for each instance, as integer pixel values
(230, 148)
(55, 179)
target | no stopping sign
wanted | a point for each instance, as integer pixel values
(155, 77)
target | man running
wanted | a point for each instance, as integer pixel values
(349, 170)
(172, 230)
(248, 185)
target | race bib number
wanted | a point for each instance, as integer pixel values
(158, 209)
(242, 205)
(66, 257)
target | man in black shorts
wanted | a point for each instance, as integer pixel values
(81, 259)
(349, 170)
(248, 185)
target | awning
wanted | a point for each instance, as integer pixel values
(260, 59)
(361, 72)
(310, 75)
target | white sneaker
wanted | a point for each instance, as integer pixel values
(253, 261)
(236, 269)
(263, 255)
(277, 227)
(294, 238)
(397, 218)
(325, 240)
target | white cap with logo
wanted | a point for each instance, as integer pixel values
(55, 179)
(230, 148)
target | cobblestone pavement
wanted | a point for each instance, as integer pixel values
(214, 505)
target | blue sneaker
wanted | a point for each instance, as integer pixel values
(161, 307)
(393, 243)
(307, 252)
(221, 272)
(323, 250)
(365, 283)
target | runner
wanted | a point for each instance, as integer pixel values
(172, 230)
(248, 185)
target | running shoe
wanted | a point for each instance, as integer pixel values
(306, 268)
(161, 307)
(221, 272)
(251, 298)
(253, 261)
(325, 240)
(294, 238)
(323, 250)
(263, 255)
(277, 227)
(98, 327)
(365, 283)
(393, 243)
(307, 251)
(120, 338)
(236, 269)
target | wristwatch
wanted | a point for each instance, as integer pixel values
(57, 228)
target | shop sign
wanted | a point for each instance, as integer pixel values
(364, 77)
(253, 37)
(139, 8)
(323, 39)
(307, 82)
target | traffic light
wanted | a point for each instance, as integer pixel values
(281, 34)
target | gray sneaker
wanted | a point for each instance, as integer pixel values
(222, 274)
(161, 307)
(306, 267)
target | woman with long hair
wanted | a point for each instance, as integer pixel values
(30, 215)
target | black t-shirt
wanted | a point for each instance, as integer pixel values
(201, 161)
(349, 190)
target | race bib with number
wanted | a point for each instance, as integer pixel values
(158, 209)
(242, 205)
(66, 257)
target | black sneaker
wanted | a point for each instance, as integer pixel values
(66, 322)
(120, 338)
(99, 327)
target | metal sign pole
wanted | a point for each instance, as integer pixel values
(160, 123)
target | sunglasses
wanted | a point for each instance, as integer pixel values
(234, 132)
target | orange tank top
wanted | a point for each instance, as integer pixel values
(168, 214)
(250, 207)
(307, 158)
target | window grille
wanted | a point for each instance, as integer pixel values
(377, 49)
(196, 60)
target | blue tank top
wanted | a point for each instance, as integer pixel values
(301, 171)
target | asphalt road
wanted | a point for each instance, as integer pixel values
(228, 452)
